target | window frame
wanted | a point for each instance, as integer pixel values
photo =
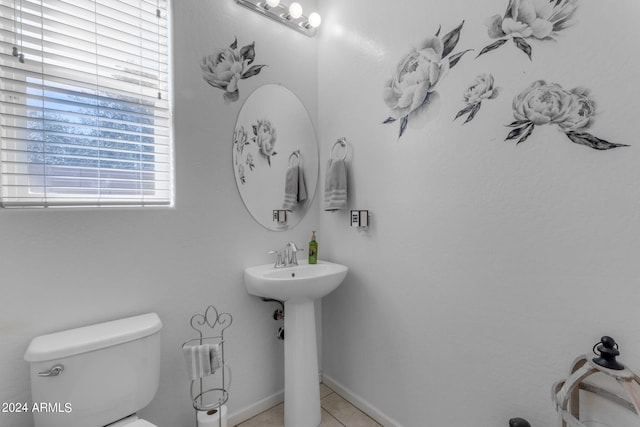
(129, 185)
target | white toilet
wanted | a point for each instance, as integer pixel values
(96, 376)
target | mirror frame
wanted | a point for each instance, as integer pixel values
(270, 127)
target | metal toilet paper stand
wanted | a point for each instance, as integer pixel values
(566, 393)
(211, 392)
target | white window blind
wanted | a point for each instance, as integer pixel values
(85, 119)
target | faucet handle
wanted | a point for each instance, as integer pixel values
(291, 246)
(279, 261)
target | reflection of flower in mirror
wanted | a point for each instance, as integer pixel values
(249, 161)
(545, 103)
(240, 139)
(264, 135)
(530, 19)
(241, 176)
(480, 89)
(262, 142)
(225, 67)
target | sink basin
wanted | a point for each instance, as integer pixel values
(298, 287)
(304, 281)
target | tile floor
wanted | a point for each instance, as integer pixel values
(336, 412)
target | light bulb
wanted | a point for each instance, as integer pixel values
(273, 3)
(315, 20)
(295, 10)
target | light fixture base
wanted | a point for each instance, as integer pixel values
(279, 14)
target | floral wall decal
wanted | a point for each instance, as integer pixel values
(529, 19)
(418, 74)
(480, 89)
(545, 103)
(225, 67)
(263, 140)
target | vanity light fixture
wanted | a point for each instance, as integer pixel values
(289, 15)
(295, 11)
(314, 20)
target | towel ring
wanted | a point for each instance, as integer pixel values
(297, 155)
(340, 142)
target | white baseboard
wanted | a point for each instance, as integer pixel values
(251, 411)
(359, 402)
(270, 401)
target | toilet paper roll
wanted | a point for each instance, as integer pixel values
(212, 418)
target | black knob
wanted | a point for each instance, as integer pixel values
(607, 349)
(518, 422)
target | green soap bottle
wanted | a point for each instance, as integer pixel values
(313, 249)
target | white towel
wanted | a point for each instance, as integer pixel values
(335, 185)
(295, 190)
(202, 360)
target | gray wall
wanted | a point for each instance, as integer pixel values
(489, 266)
(68, 268)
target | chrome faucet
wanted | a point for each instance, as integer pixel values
(291, 254)
(288, 257)
(279, 262)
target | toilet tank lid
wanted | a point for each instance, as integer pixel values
(93, 337)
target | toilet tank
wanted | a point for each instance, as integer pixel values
(110, 370)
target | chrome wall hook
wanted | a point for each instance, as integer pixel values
(342, 142)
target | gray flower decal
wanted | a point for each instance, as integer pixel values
(545, 103)
(225, 67)
(418, 74)
(530, 19)
(482, 88)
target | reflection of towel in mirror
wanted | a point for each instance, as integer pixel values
(302, 187)
(335, 185)
(295, 190)
(202, 360)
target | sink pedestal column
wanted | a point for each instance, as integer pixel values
(302, 388)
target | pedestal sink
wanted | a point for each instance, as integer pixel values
(298, 286)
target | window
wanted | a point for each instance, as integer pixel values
(85, 115)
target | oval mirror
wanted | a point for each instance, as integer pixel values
(275, 157)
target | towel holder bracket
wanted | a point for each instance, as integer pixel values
(293, 156)
(341, 142)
